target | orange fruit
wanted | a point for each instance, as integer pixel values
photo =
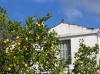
(9, 69)
(17, 37)
(14, 57)
(46, 54)
(25, 65)
(5, 41)
(52, 46)
(38, 37)
(29, 32)
(38, 25)
(25, 47)
(26, 39)
(18, 44)
(88, 68)
(11, 49)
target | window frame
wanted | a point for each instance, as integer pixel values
(62, 53)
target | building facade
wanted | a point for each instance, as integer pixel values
(70, 35)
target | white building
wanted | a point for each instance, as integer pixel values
(70, 34)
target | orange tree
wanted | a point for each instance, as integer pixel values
(28, 48)
(86, 59)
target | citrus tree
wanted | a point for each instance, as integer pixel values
(86, 59)
(28, 48)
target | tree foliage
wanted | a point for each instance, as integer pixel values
(86, 59)
(28, 48)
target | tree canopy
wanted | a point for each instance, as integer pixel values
(28, 48)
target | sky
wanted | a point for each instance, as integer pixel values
(80, 12)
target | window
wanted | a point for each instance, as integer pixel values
(65, 48)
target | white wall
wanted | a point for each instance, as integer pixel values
(69, 29)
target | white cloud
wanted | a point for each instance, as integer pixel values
(88, 5)
(75, 8)
(72, 13)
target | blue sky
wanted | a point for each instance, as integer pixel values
(80, 12)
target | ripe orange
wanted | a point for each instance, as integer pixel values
(18, 44)
(25, 65)
(17, 37)
(26, 39)
(5, 42)
(9, 69)
(29, 32)
(46, 54)
(38, 25)
(25, 47)
(88, 68)
(11, 49)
